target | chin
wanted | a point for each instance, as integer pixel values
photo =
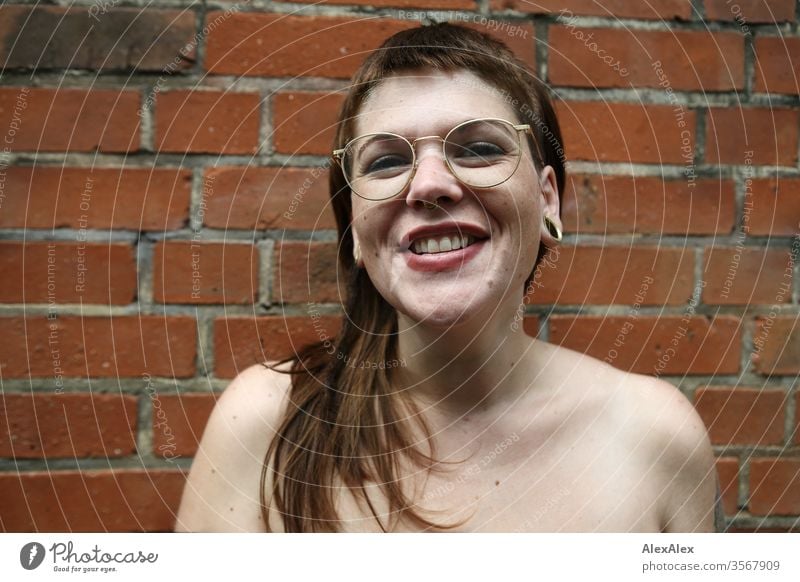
(442, 311)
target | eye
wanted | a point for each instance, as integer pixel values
(477, 153)
(479, 149)
(387, 164)
(483, 142)
(381, 156)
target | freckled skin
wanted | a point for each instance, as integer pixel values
(431, 104)
(579, 446)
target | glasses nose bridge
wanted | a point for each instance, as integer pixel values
(424, 137)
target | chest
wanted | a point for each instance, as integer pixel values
(515, 489)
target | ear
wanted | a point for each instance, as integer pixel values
(551, 207)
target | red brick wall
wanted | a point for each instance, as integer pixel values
(162, 174)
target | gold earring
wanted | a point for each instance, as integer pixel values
(357, 254)
(552, 228)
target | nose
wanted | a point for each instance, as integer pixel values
(432, 182)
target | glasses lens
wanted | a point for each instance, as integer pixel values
(484, 152)
(378, 166)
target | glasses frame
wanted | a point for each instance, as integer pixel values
(339, 154)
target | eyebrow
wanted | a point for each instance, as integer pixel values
(444, 131)
(373, 138)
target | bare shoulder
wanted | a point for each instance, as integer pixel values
(659, 410)
(222, 490)
(659, 430)
(676, 441)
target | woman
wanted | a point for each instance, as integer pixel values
(432, 410)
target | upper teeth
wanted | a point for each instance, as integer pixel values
(442, 244)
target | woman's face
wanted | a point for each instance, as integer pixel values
(504, 222)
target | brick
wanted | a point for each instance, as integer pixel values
(797, 419)
(120, 198)
(742, 416)
(261, 198)
(67, 272)
(603, 203)
(50, 37)
(67, 425)
(530, 325)
(73, 120)
(426, 4)
(777, 64)
(73, 346)
(624, 132)
(615, 275)
(750, 11)
(700, 345)
(178, 428)
(307, 271)
(680, 60)
(242, 342)
(265, 44)
(776, 345)
(774, 486)
(746, 276)
(773, 208)
(205, 273)
(207, 122)
(728, 471)
(519, 36)
(653, 9)
(770, 134)
(305, 122)
(124, 500)
(760, 527)
(277, 45)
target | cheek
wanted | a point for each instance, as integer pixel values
(521, 214)
(531, 207)
(359, 218)
(368, 222)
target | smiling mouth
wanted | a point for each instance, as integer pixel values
(443, 244)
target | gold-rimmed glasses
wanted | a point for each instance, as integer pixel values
(480, 153)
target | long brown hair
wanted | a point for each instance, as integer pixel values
(343, 419)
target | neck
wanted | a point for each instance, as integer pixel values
(469, 369)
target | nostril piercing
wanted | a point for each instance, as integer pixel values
(432, 205)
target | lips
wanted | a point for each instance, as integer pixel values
(443, 246)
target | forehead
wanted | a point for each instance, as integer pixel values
(430, 102)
